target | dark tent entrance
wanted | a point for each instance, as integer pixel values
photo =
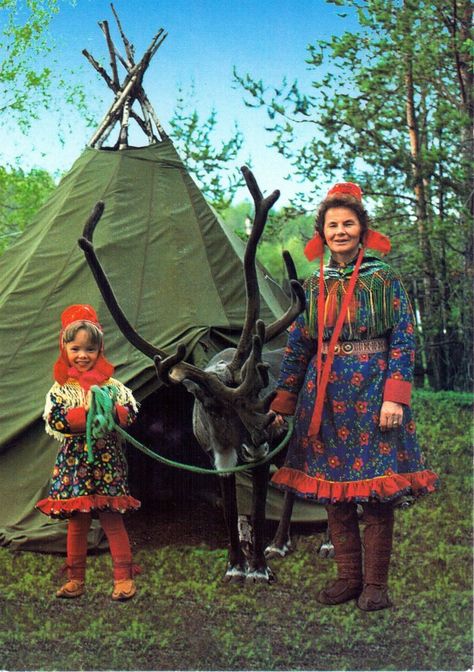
(164, 425)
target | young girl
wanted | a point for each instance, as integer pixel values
(81, 485)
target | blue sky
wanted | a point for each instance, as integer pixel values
(206, 39)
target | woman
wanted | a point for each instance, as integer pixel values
(347, 374)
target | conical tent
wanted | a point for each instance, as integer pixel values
(176, 270)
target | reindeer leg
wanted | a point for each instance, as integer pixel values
(326, 550)
(236, 568)
(281, 545)
(258, 568)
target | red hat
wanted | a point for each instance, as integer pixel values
(349, 188)
(102, 370)
(79, 312)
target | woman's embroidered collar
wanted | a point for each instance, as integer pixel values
(342, 265)
(370, 264)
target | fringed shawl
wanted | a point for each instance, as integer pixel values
(72, 395)
(370, 312)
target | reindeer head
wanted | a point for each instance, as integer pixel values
(230, 416)
(231, 409)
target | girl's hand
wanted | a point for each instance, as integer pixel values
(391, 416)
(88, 402)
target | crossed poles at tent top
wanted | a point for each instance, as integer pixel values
(127, 92)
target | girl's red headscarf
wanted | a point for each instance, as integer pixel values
(314, 249)
(62, 372)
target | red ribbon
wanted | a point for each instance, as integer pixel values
(324, 371)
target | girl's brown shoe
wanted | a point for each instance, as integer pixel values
(72, 588)
(124, 589)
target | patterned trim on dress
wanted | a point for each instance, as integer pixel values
(64, 508)
(383, 488)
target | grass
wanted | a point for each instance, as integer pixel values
(185, 618)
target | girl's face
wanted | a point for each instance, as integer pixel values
(342, 231)
(81, 353)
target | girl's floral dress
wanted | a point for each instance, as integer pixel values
(351, 459)
(77, 484)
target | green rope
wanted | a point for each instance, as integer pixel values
(100, 418)
(102, 410)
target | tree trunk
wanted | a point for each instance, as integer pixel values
(430, 300)
(463, 17)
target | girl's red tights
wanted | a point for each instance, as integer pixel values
(114, 528)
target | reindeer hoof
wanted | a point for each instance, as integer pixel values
(326, 550)
(273, 551)
(235, 574)
(262, 575)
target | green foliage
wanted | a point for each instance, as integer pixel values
(24, 86)
(391, 107)
(286, 229)
(184, 617)
(30, 77)
(195, 141)
(21, 195)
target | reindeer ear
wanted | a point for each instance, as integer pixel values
(192, 387)
(198, 392)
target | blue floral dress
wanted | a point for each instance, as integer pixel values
(351, 459)
(76, 483)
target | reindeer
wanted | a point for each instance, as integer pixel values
(231, 417)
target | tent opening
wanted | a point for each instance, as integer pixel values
(164, 424)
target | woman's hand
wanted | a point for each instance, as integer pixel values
(278, 421)
(391, 416)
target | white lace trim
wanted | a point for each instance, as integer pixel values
(74, 396)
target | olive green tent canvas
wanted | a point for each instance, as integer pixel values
(176, 271)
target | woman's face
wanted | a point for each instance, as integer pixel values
(342, 231)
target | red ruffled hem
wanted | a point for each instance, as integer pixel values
(63, 508)
(383, 488)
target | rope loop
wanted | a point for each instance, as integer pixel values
(101, 420)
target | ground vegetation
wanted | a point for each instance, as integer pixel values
(185, 618)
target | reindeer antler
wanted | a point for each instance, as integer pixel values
(298, 301)
(247, 357)
(297, 305)
(262, 207)
(86, 244)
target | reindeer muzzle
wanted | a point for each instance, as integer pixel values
(254, 453)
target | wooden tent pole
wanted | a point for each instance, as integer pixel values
(123, 137)
(102, 72)
(146, 118)
(129, 49)
(113, 61)
(148, 106)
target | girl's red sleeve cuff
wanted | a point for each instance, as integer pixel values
(76, 419)
(284, 402)
(122, 415)
(398, 391)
